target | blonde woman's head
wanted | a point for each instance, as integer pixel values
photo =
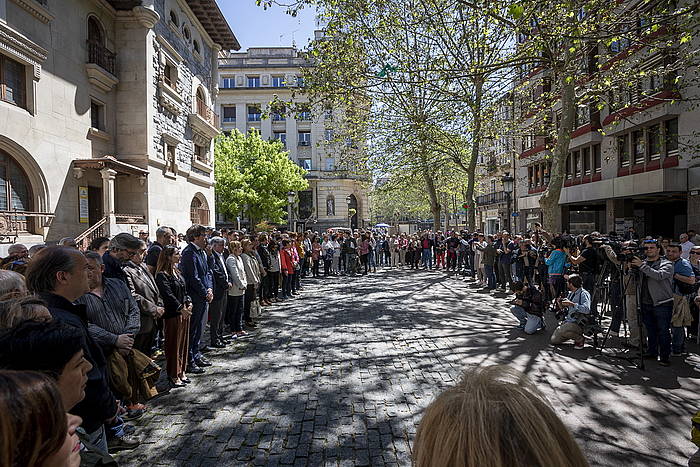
(494, 417)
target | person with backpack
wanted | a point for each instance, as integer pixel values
(527, 307)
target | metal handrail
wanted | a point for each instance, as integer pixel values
(96, 230)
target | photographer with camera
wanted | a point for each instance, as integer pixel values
(657, 300)
(527, 307)
(683, 286)
(577, 306)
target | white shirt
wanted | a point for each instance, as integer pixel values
(685, 249)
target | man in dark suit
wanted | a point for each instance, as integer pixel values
(143, 288)
(217, 307)
(194, 266)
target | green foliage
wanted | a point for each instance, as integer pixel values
(253, 177)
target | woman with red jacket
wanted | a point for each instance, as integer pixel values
(287, 269)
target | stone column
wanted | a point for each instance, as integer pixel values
(242, 117)
(108, 191)
(292, 137)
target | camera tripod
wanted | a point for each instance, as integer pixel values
(634, 274)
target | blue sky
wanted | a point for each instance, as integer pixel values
(255, 27)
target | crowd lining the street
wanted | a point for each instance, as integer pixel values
(81, 332)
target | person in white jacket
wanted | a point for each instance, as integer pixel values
(236, 294)
(252, 274)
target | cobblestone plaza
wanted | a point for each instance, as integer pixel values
(341, 375)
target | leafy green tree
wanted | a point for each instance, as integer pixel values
(253, 177)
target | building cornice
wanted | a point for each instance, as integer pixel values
(22, 49)
(36, 10)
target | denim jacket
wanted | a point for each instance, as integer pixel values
(582, 304)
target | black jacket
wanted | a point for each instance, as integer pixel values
(113, 268)
(219, 276)
(99, 403)
(265, 257)
(172, 291)
(532, 301)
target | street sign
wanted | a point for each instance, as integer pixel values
(515, 214)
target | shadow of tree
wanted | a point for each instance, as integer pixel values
(342, 375)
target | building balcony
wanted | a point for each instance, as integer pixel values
(491, 198)
(205, 122)
(100, 67)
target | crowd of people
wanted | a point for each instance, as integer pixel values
(82, 332)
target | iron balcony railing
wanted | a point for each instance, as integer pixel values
(491, 198)
(207, 113)
(101, 56)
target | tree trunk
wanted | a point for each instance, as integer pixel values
(447, 211)
(476, 142)
(432, 195)
(549, 202)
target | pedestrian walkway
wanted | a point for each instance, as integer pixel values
(341, 375)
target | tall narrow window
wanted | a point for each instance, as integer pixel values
(638, 146)
(577, 164)
(304, 138)
(12, 82)
(671, 136)
(596, 159)
(96, 115)
(586, 156)
(623, 151)
(253, 81)
(569, 171)
(530, 177)
(654, 137)
(171, 158)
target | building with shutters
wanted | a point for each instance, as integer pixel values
(107, 115)
(248, 83)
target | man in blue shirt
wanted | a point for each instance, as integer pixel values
(683, 282)
(578, 305)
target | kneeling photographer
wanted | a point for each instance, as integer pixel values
(656, 300)
(527, 307)
(577, 306)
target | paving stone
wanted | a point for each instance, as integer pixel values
(341, 375)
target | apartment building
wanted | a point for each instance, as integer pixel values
(496, 203)
(250, 83)
(107, 115)
(631, 162)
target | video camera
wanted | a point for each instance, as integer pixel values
(623, 250)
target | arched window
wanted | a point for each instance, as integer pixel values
(202, 108)
(173, 18)
(95, 32)
(186, 33)
(195, 46)
(199, 210)
(15, 189)
(330, 206)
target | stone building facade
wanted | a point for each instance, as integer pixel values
(248, 83)
(107, 115)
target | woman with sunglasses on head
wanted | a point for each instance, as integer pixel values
(35, 430)
(176, 319)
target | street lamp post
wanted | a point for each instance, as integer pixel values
(348, 200)
(507, 181)
(290, 201)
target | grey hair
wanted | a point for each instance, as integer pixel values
(11, 282)
(95, 256)
(162, 231)
(67, 241)
(35, 248)
(216, 241)
(15, 247)
(124, 241)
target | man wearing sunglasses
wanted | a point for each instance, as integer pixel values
(657, 300)
(122, 247)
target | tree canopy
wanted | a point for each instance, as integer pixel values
(253, 177)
